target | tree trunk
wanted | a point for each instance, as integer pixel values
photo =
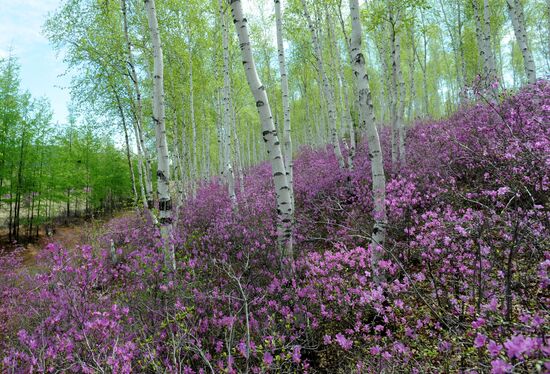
(329, 94)
(394, 96)
(400, 99)
(368, 124)
(139, 112)
(491, 65)
(515, 10)
(142, 183)
(483, 37)
(286, 106)
(195, 174)
(163, 168)
(127, 142)
(226, 121)
(269, 133)
(237, 148)
(19, 184)
(461, 47)
(346, 123)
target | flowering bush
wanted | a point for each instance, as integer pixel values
(465, 270)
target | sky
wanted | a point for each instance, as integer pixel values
(41, 71)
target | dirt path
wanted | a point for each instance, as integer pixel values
(67, 236)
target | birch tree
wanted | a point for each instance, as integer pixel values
(515, 10)
(286, 105)
(163, 167)
(400, 89)
(491, 64)
(226, 126)
(269, 133)
(397, 88)
(328, 91)
(195, 174)
(368, 124)
(143, 159)
(483, 37)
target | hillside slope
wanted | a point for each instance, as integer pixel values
(466, 268)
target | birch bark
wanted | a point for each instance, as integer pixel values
(195, 174)
(400, 99)
(139, 112)
(515, 10)
(483, 37)
(394, 94)
(163, 168)
(269, 133)
(491, 65)
(286, 106)
(329, 94)
(368, 124)
(127, 142)
(226, 121)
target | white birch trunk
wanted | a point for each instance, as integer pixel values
(412, 93)
(139, 112)
(127, 142)
(491, 65)
(483, 37)
(183, 151)
(394, 96)
(255, 158)
(346, 122)
(375, 152)
(310, 133)
(177, 168)
(237, 147)
(140, 169)
(195, 174)
(479, 35)
(400, 99)
(329, 94)
(249, 145)
(386, 74)
(286, 107)
(461, 47)
(269, 133)
(226, 121)
(163, 168)
(515, 10)
(206, 151)
(219, 133)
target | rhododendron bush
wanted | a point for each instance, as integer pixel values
(465, 268)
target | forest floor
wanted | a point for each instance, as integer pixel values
(69, 236)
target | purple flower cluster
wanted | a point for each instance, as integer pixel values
(465, 268)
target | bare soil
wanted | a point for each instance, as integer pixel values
(77, 233)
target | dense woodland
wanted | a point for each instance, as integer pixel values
(303, 186)
(50, 171)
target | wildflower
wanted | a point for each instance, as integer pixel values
(268, 358)
(518, 346)
(480, 341)
(494, 348)
(500, 367)
(296, 354)
(343, 341)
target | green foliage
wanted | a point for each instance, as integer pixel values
(45, 168)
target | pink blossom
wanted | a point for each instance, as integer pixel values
(345, 343)
(268, 358)
(500, 367)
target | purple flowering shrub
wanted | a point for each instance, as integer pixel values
(465, 269)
